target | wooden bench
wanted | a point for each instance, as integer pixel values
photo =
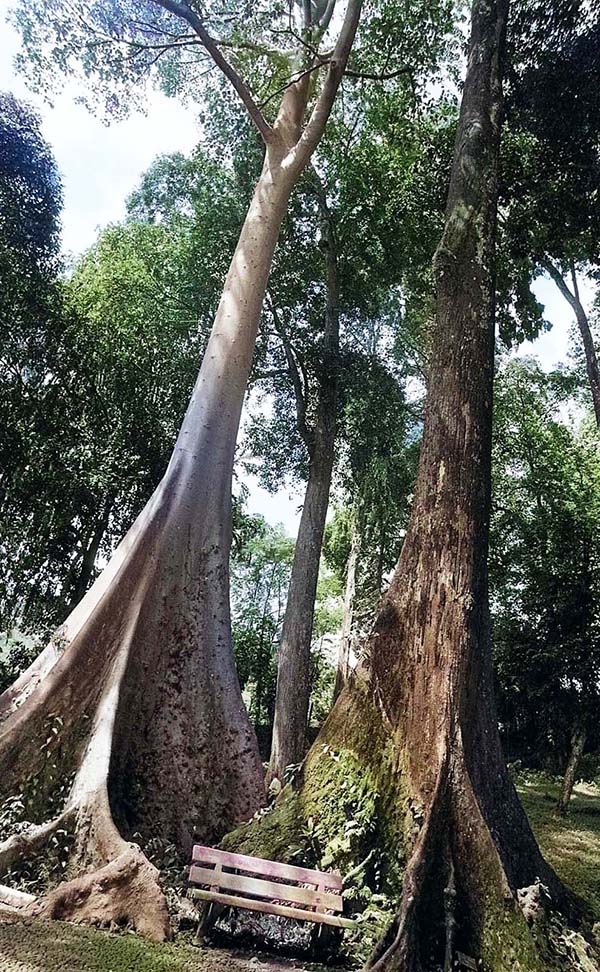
(254, 884)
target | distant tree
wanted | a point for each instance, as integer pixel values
(260, 575)
(545, 573)
(379, 453)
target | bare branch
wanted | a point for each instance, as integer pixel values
(325, 20)
(384, 76)
(191, 17)
(293, 80)
(560, 283)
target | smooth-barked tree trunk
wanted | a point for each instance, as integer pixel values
(583, 324)
(293, 658)
(409, 764)
(131, 721)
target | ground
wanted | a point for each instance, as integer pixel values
(571, 845)
(59, 947)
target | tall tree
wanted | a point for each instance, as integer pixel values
(293, 665)
(412, 743)
(142, 674)
(361, 277)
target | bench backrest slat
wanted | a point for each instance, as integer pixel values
(265, 889)
(269, 869)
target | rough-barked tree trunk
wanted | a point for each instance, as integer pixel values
(293, 658)
(410, 755)
(574, 301)
(576, 752)
(131, 721)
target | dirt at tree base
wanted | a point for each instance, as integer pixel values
(40, 946)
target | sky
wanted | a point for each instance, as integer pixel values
(100, 165)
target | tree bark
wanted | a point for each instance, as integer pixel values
(577, 746)
(346, 635)
(411, 749)
(591, 358)
(293, 661)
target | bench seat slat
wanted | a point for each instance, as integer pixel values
(265, 889)
(270, 908)
(269, 869)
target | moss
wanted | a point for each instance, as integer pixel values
(348, 812)
(507, 943)
(277, 834)
(58, 947)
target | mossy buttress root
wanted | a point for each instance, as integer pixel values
(427, 878)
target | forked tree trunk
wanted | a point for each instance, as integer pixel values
(137, 696)
(575, 754)
(591, 358)
(293, 659)
(411, 752)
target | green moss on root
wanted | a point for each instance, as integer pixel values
(348, 811)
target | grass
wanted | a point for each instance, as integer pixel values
(571, 845)
(59, 947)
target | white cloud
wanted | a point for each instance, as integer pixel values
(552, 347)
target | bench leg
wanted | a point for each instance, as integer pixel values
(210, 911)
(325, 941)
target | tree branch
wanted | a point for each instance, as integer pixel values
(384, 76)
(191, 17)
(293, 367)
(293, 80)
(322, 109)
(560, 283)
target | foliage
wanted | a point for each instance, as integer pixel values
(545, 567)
(260, 573)
(549, 209)
(259, 581)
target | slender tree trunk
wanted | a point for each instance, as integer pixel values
(416, 727)
(577, 746)
(88, 560)
(591, 358)
(346, 635)
(293, 660)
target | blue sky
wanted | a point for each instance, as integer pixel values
(100, 165)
